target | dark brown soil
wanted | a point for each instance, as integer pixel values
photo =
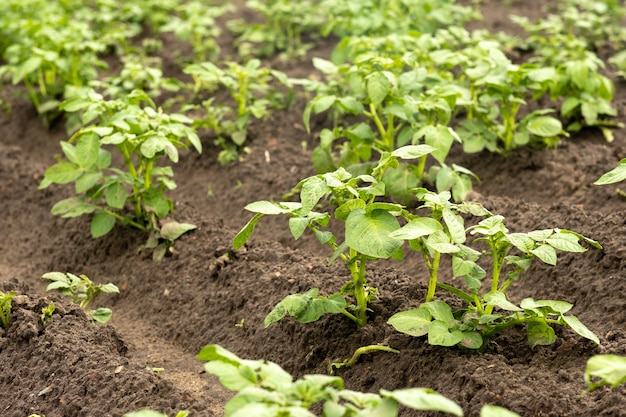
(166, 312)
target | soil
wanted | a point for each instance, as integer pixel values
(207, 293)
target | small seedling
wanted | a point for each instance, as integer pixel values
(5, 308)
(46, 313)
(82, 291)
(156, 370)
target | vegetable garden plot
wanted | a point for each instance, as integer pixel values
(204, 292)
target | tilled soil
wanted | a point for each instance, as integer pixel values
(207, 293)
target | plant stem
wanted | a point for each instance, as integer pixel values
(121, 219)
(372, 114)
(432, 281)
(133, 172)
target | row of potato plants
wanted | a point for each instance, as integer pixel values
(401, 97)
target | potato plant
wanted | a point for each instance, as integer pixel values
(486, 312)
(264, 388)
(367, 227)
(283, 31)
(141, 134)
(82, 291)
(395, 106)
(194, 22)
(5, 308)
(256, 90)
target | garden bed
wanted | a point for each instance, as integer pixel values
(208, 293)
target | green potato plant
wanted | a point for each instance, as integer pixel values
(367, 227)
(194, 22)
(264, 388)
(486, 313)
(378, 17)
(617, 174)
(139, 72)
(604, 370)
(283, 29)
(256, 90)
(46, 313)
(399, 106)
(142, 135)
(82, 291)
(5, 308)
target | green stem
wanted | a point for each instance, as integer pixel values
(432, 281)
(147, 175)
(123, 147)
(421, 166)
(357, 270)
(33, 94)
(372, 114)
(121, 219)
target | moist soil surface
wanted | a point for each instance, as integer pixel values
(206, 293)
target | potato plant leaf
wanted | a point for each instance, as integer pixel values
(489, 410)
(306, 308)
(173, 230)
(424, 399)
(368, 233)
(617, 174)
(101, 224)
(540, 333)
(575, 324)
(605, 370)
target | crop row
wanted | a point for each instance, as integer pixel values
(398, 92)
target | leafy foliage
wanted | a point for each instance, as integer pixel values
(256, 90)
(264, 388)
(5, 308)
(443, 232)
(82, 291)
(367, 228)
(141, 135)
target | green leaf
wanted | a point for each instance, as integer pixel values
(30, 65)
(101, 315)
(63, 173)
(440, 242)
(546, 253)
(72, 207)
(378, 87)
(495, 411)
(116, 195)
(413, 151)
(580, 328)
(455, 226)
(323, 103)
(521, 241)
(545, 126)
(244, 234)
(74, 104)
(306, 308)
(441, 138)
(313, 189)
(413, 322)
(88, 180)
(609, 369)
(416, 228)
(539, 333)
(566, 242)
(423, 399)
(555, 306)
(101, 224)
(267, 207)
(439, 310)
(173, 230)
(471, 340)
(439, 334)
(498, 299)
(155, 200)
(617, 174)
(368, 233)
